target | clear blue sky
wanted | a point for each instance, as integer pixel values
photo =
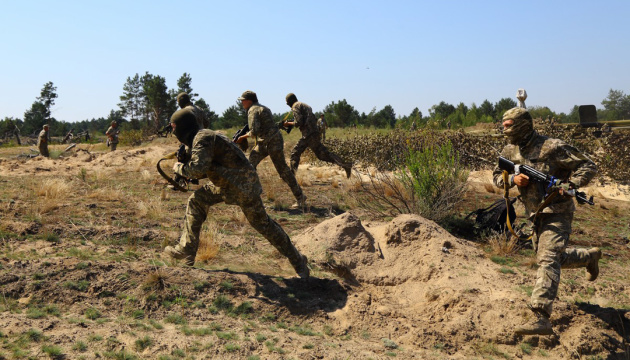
(372, 53)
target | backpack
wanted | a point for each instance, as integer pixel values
(494, 216)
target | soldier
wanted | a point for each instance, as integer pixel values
(322, 126)
(42, 141)
(183, 100)
(233, 180)
(413, 126)
(552, 224)
(269, 142)
(304, 120)
(112, 136)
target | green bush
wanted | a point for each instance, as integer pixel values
(435, 179)
(130, 137)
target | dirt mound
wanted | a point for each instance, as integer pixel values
(426, 287)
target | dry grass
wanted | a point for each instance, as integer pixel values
(335, 183)
(237, 216)
(54, 188)
(208, 244)
(105, 194)
(47, 207)
(304, 180)
(146, 175)
(152, 208)
(353, 184)
(501, 245)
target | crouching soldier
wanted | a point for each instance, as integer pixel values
(233, 180)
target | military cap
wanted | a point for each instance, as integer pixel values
(249, 95)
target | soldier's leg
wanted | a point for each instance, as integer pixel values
(322, 153)
(43, 150)
(258, 153)
(577, 258)
(196, 213)
(256, 215)
(553, 232)
(276, 152)
(296, 153)
(113, 146)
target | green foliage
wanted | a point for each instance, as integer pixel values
(341, 114)
(177, 319)
(52, 351)
(223, 302)
(80, 346)
(92, 313)
(143, 343)
(436, 180)
(131, 137)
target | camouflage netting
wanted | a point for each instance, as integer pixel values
(610, 151)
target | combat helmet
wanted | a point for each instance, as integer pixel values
(183, 99)
(291, 99)
(185, 126)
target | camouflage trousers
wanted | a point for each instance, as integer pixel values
(552, 232)
(322, 133)
(112, 146)
(202, 199)
(43, 150)
(313, 142)
(273, 147)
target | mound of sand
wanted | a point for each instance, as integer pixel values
(422, 284)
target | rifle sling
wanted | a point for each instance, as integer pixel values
(168, 178)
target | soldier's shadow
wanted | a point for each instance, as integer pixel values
(320, 212)
(615, 318)
(299, 296)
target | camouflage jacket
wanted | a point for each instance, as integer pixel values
(112, 134)
(260, 120)
(219, 158)
(42, 138)
(202, 120)
(304, 118)
(553, 157)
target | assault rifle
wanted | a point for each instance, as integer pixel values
(547, 180)
(240, 132)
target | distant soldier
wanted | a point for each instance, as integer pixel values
(304, 120)
(183, 100)
(112, 136)
(413, 126)
(42, 141)
(269, 142)
(552, 223)
(233, 180)
(322, 125)
(448, 125)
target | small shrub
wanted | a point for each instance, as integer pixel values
(177, 319)
(92, 313)
(52, 351)
(34, 335)
(143, 343)
(222, 302)
(80, 346)
(230, 347)
(389, 344)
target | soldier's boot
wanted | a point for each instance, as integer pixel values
(301, 203)
(302, 269)
(539, 325)
(175, 253)
(592, 268)
(348, 168)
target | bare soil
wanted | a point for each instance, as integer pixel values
(82, 276)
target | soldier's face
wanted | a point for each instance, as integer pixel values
(507, 123)
(246, 104)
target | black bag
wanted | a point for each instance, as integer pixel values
(494, 216)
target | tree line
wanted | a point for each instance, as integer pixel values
(147, 103)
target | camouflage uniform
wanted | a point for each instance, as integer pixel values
(269, 142)
(306, 122)
(552, 226)
(42, 143)
(233, 181)
(112, 134)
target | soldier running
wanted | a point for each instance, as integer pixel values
(233, 180)
(552, 224)
(269, 142)
(304, 120)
